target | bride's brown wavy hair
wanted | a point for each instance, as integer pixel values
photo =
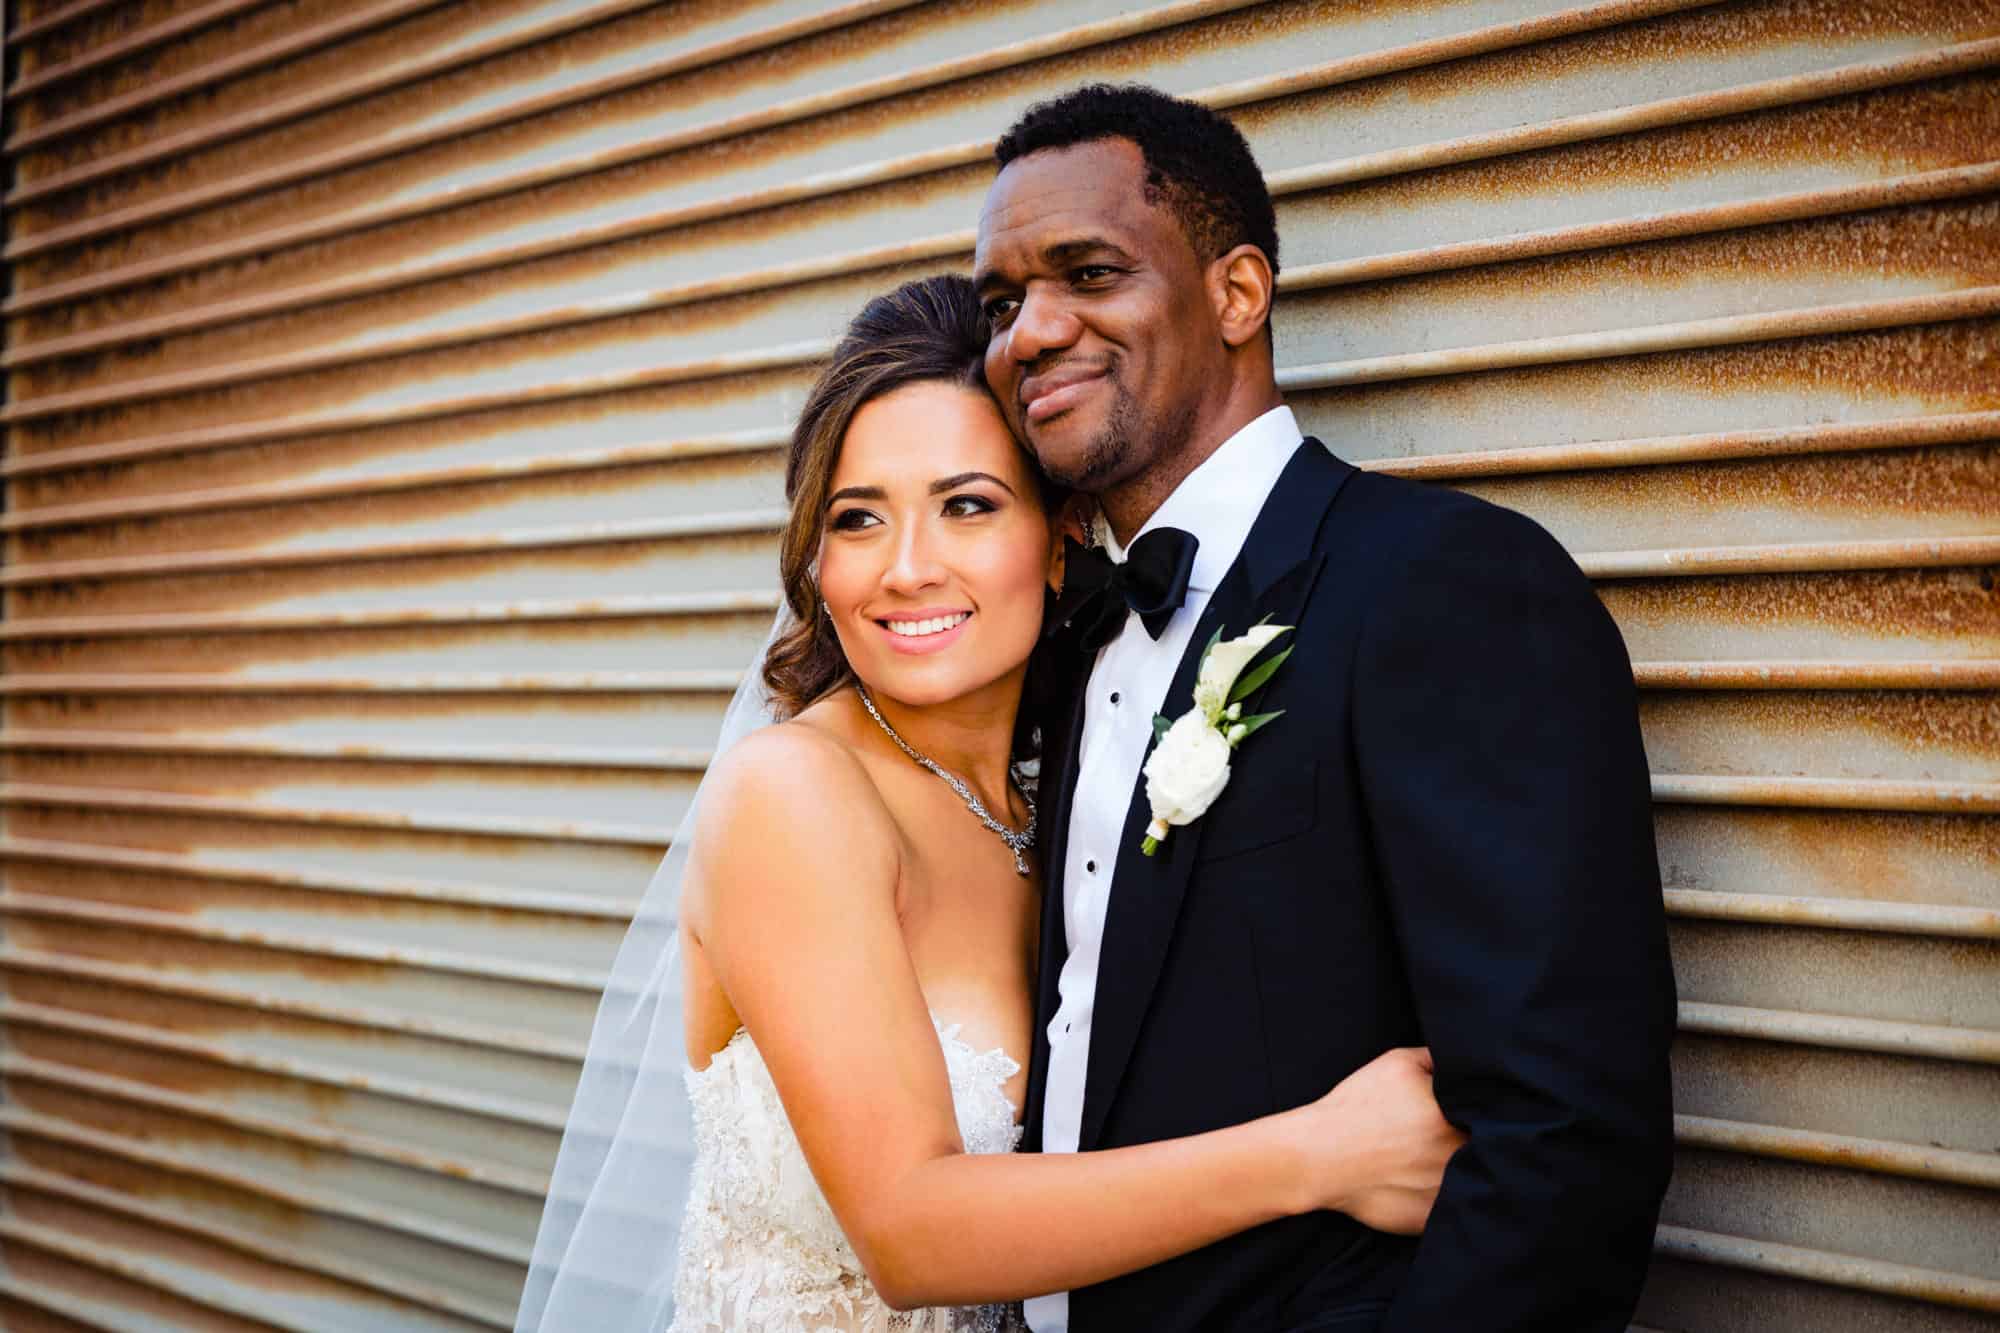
(929, 331)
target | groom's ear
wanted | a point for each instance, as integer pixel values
(1242, 287)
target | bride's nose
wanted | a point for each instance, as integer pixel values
(914, 564)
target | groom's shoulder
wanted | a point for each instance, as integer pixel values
(1411, 519)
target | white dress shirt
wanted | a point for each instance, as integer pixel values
(1217, 502)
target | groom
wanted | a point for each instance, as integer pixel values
(1445, 839)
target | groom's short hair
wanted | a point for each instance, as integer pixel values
(1197, 163)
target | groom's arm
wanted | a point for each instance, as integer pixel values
(1508, 796)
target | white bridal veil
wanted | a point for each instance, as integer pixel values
(604, 1258)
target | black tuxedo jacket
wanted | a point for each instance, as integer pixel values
(1446, 840)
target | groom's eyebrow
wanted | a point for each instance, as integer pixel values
(943, 484)
(1056, 255)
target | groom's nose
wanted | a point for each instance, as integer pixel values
(1043, 324)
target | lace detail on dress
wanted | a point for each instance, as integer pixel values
(760, 1249)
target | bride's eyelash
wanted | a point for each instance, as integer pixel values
(980, 505)
(849, 520)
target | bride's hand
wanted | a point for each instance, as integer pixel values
(1379, 1144)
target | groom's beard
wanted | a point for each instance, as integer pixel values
(1123, 447)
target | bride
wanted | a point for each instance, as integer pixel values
(826, 994)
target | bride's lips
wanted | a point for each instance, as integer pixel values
(924, 643)
(1045, 395)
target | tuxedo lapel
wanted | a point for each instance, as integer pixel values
(1273, 576)
(1067, 666)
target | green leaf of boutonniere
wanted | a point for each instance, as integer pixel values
(1161, 724)
(1248, 682)
(1254, 722)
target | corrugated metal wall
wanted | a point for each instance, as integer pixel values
(392, 398)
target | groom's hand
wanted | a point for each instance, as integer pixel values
(1382, 1142)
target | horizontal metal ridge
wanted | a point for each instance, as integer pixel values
(295, 43)
(439, 1096)
(1792, 557)
(133, 43)
(395, 888)
(679, 759)
(1757, 674)
(490, 1175)
(1828, 793)
(1840, 1270)
(1926, 186)
(612, 532)
(263, 1245)
(948, 246)
(1981, 1170)
(26, 683)
(1648, 339)
(59, 17)
(1931, 919)
(330, 1204)
(1841, 1032)
(455, 821)
(1776, 674)
(799, 108)
(55, 1301)
(263, 430)
(212, 1294)
(758, 439)
(243, 622)
(1709, 446)
(1640, 340)
(1917, 187)
(1769, 442)
(138, 919)
(1494, 37)
(1779, 557)
(1762, 95)
(459, 1033)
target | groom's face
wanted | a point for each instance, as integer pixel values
(1103, 332)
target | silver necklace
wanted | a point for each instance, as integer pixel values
(1017, 843)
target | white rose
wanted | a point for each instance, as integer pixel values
(1186, 771)
(1225, 662)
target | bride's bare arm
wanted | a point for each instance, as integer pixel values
(797, 918)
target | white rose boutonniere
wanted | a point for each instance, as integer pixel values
(1189, 765)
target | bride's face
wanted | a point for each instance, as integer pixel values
(936, 546)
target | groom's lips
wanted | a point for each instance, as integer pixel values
(1043, 396)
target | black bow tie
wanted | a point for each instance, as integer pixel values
(1153, 581)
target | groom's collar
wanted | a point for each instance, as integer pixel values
(1220, 500)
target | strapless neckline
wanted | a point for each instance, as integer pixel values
(948, 1038)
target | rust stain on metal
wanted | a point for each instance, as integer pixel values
(633, 416)
(1721, 30)
(1959, 606)
(1919, 722)
(160, 1069)
(1881, 855)
(176, 953)
(148, 1182)
(267, 527)
(1912, 128)
(1954, 244)
(102, 1283)
(1865, 488)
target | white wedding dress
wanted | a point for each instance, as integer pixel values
(760, 1249)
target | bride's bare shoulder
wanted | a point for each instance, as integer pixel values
(803, 774)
